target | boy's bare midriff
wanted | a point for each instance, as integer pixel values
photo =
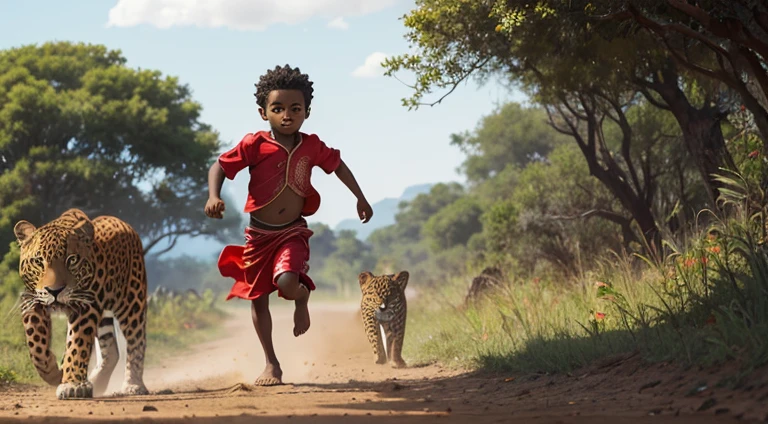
(283, 210)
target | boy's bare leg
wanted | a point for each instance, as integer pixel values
(262, 321)
(292, 289)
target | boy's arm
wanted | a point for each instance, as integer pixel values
(364, 210)
(227, 166)
(215, 180)
(214, 207)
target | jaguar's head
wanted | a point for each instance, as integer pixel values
(387, 291)
(56, 261)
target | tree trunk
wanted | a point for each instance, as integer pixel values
(701, 130)
(636, 200)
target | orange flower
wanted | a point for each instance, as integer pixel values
(704, 260)
(715, 249)
(742, 108)
(753, 154)
(599, 316)
(690, 262)
(599, 284)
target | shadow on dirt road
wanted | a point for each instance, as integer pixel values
(331, 378)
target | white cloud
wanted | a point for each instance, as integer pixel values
(236, 14)
(371, 68)
(338, 23)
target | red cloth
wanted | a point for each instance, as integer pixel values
(266, 254)
(267, 161)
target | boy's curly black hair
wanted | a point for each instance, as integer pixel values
(283, 78)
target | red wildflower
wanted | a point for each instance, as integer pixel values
(715, 249)
(599, 316)
(753, 154)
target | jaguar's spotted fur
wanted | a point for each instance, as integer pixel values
(383, 306)
(94, 272)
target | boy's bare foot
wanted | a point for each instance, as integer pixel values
(272, 376)
(301, 318)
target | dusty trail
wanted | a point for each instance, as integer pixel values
(331, 378)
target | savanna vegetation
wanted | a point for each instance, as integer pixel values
(622, 209)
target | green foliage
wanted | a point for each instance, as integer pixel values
(10, 281)
(511, 134)
(555, 214)
(704, 304)
(454, 224)
(172, 313)
(412, 217)
(78, 128)
(183, 273)
(588, 74)
(7, 376)
(338, 260)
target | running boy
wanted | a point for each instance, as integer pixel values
(280, 195)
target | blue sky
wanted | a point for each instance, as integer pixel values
(220, 48)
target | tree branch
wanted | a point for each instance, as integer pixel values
(728, 28)
(609, 215)
(662, 29)
(175, 233)
(648, 96)
(624, 222)
(477, 65)
(626, 138)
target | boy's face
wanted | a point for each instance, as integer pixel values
(285, 111)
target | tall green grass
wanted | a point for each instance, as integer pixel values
(702, 303)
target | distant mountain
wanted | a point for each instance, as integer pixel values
(384, 212)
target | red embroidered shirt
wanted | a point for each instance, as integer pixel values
(273, 168)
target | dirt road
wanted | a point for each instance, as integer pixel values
(331, 378)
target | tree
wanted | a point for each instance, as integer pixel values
(78, 128)
(181, 273)
(412, 216)
(553, 216)
(511, 134)
(322, 244)
(350, 257)
(725, 40)
(552, 48)
(454, 224)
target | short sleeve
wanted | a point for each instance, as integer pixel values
(328, 159)
(239, 157)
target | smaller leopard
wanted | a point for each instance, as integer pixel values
(383, 307)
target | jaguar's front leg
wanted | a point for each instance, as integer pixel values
(37, 327)
(373, 332)
(80, 337)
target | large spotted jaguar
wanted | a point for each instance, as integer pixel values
(383, 307)
(94, 272)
